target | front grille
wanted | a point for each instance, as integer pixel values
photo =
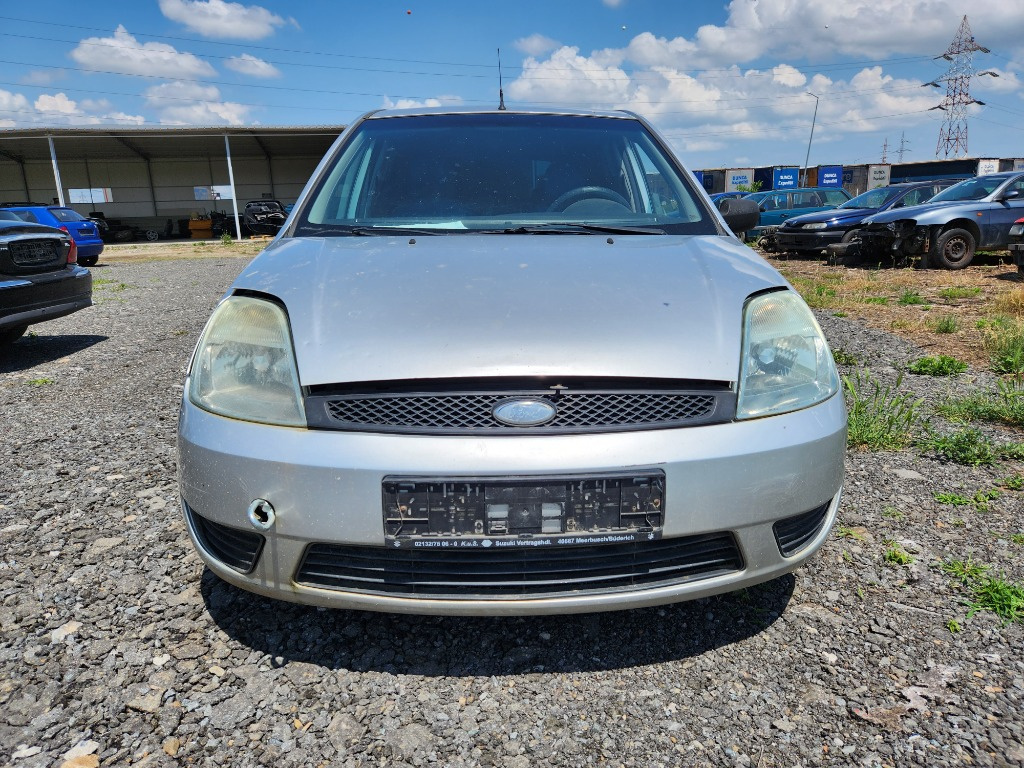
(235, 548)
(472, 412)
(793, 533)
(518, 573)
(34, 253)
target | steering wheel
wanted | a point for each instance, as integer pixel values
(566, 199)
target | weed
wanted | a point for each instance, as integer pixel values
(847, 557)
(941, 365)
(226, 239)
(844, 358)
(970, 448)
(953, 626)
(860, 592)
(1012, 483)
(892, 513)
(1017, 538)
(839, 314)
(945, 324)
(880, 300)
(39, 382)
(1006, 405)
(992, 323)
(1010, 302)
(880, 418)
(1005, 345)
(996, 594)
(909, 298)
(965, 571)
(959, 292)
(844, 532)
(956, 499)
(896, 555)
(958, 522)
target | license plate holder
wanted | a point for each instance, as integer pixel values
(522, 512)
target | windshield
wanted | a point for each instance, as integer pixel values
(503, 172)
(970, 189)
(873, 198)
(66, 214)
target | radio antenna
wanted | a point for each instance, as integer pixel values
(501, 93)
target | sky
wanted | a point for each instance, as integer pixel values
(729, 84)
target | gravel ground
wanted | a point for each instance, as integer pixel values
(117, 648)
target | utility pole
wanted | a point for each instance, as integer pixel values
(960, 54)
(903, 145)
(885, 149)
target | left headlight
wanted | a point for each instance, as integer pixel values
(816, 225)
(786, 363)
(244, 366)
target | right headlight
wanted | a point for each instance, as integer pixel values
(786, 364)
(244, 366)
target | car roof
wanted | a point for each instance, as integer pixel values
(463, 110)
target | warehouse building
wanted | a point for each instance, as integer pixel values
(154, 179)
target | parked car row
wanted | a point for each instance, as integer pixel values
(39, 277)
(83, 231)
(943, 222)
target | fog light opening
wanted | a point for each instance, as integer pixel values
(262, 515)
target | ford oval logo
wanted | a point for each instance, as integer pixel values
(524, 412)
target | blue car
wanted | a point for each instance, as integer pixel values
(975, 214)
(82, 230)
(814, 232)
(777, 205)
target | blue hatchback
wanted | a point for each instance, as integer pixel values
(82, 230)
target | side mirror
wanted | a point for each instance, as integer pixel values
(739, 214)
(1013, 194)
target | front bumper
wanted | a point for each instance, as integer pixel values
(728, 481)
(812, 240)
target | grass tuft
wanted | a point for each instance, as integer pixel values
(941, 365)
(880, 417)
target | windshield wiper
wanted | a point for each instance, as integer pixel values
(365, 230)
(574, 228)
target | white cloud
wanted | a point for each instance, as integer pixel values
(125, 54)
(181, 103)
(789, 76)
(568, 78)
(217, 18)
(248, 64)
(536, 45)
(13, 107)
(440, 101)
(58, 108)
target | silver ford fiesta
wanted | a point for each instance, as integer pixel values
(508, 362)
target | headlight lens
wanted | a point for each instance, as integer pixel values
(816, 225)
(244, 366)
(786, 363)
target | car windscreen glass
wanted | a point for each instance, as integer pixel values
(66, 214)
(494, 173)
(970, 189)
(873, 198)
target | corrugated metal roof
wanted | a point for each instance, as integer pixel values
(133, 142)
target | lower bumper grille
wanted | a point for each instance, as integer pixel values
(235, 548)
(515, 573)
(793, 533)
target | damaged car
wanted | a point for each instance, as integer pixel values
(508, 362)
(948, 230)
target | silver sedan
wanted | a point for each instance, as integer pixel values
(508, 362)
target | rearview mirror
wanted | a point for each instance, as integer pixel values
(739, 214)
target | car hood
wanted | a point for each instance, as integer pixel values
(918, 211)
(396, 308)
(833, 214)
